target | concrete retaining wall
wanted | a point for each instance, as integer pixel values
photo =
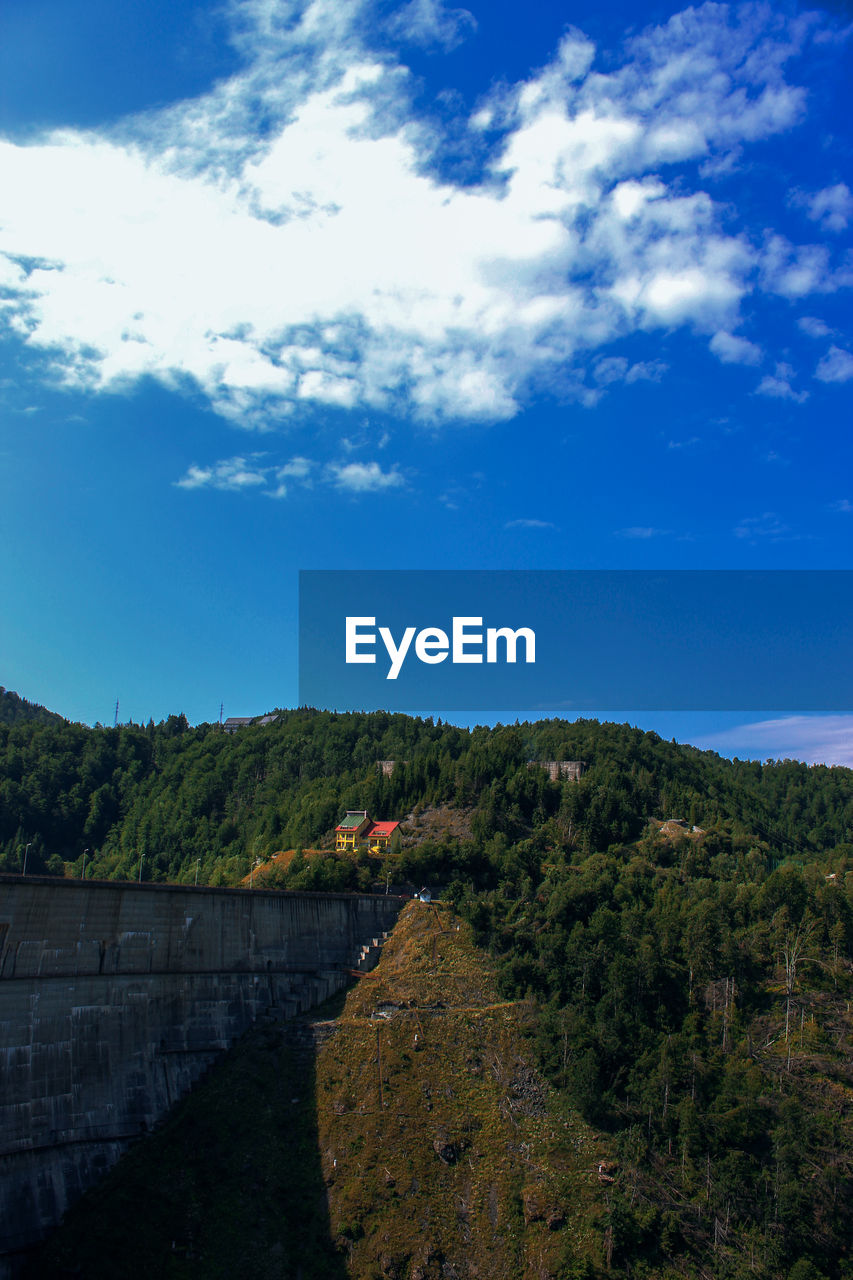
(114, 998)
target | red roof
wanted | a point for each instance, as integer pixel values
(380, 829)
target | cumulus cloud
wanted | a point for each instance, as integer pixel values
(363, 477)
(233, 474)
(778, 385)
(298, 468)
(794, 271)
(430, 23)
(814, 739)
(832, 207)
(271, 479)
(836, 366)
(241, 474)
(731, 349)
(610, 369)
(814, 327)
(322, 261)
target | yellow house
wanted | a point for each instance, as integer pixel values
(357, 830)
(350, 832)
(382, 836)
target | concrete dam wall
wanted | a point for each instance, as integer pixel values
(114, 998)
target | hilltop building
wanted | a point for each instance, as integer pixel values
(387, 767)
(356, 831)
(560, 770)
(233, 723)
(349, 832)
(382, 836)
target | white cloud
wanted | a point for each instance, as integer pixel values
(767, 527)
(234, 474)
(610, 369)
(813, 327)
(529, 524)
(793, 271)
(363, 477)
(297, 468)
(429, 23)
(731, 349)
(240, 474)
(322, 262)
(843, 505)
(641, 532)
(814, 739)
(836, 366)
(832, 207)
(778, 386)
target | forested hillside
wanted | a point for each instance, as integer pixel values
(692, 986)
(175, 795)
(14, 709)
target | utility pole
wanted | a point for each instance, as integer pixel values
(197, 864)
(26, 851)
(83, 875)
(141, 860)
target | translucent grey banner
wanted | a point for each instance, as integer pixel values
(572, 641)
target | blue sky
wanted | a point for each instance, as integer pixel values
(342, 284)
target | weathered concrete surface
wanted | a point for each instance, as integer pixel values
(114, 998)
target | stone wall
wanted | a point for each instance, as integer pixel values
(114, 998)
(560, 770)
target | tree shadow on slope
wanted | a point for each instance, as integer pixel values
(231, 1186)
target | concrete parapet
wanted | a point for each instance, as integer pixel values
(114, 998)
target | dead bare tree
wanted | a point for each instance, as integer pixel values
(794, 955)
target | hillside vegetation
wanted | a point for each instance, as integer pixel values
(15, 709)
(687, 991)
(182, 797)
(429, 1144)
